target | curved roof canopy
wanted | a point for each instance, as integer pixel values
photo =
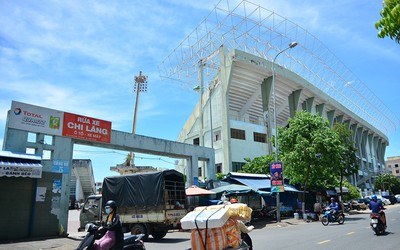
(251, 28)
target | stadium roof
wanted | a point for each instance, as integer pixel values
(253, 29)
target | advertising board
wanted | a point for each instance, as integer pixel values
(53, 122)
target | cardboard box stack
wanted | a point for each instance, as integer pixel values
(215, 227)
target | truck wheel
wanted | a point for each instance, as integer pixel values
(140, 229)
(159, 234)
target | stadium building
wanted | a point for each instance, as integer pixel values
(236, 56)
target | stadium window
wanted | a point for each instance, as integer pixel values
(199, 172)
(396, 165)
(217, 135)
(196, 141)
(238, 134)
(237, 166)
(259, 137)
(218, 167)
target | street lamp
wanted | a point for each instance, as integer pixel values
(291, 45)
(140, 86)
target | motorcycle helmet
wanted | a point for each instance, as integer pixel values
(112, 205)
(233, 200)
(374, 198)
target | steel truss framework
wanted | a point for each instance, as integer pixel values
(259, 31)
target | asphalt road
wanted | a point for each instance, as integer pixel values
(354, 234)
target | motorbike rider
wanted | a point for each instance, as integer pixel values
(112, 226)
(334, 206)
(377, 207)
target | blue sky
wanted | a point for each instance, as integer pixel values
(81, 57)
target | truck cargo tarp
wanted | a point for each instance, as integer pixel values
(138, 190)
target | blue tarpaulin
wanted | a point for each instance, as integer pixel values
(254, 182)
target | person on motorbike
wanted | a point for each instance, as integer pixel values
(334, 206)
(112, 226)
(377, 207)
(244, 230)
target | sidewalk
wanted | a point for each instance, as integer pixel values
(55, 243)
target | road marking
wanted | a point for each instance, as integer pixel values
(323, 242)
(349, 233)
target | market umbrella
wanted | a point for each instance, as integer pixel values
(197, 191)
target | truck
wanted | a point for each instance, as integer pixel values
(148, 203)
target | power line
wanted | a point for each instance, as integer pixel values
(120, 153)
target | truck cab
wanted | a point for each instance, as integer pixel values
(90, 211)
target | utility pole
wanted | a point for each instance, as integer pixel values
(140, 86)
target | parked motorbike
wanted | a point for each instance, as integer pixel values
(264, 213)
(131, 242)
(376, 224)
(328, 217)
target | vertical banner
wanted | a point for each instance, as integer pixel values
(276, 170)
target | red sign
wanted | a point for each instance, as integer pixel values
(86, 128)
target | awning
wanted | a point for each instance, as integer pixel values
(233, 189)
(253, 182)
(331, 192)
(291, 188)
(19, 169)
(236, 189)
(344, 189)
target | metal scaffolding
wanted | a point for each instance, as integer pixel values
(259, 31)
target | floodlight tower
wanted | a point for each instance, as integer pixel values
(140, 86)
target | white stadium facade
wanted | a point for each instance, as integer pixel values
(228, 59)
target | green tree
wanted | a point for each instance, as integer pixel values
(220, 176)
(354, 192)
(309, 149)
(389, 25)
(349, 164)
(387, 182)
(128, 159)
(259, 165)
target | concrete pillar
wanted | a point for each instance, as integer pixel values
(226, 76)
(294, 99)
(189, 172)
(308, 105)
(331, 115)
(320, 109)
(339, 119)
(364, 138)
(266, 93)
